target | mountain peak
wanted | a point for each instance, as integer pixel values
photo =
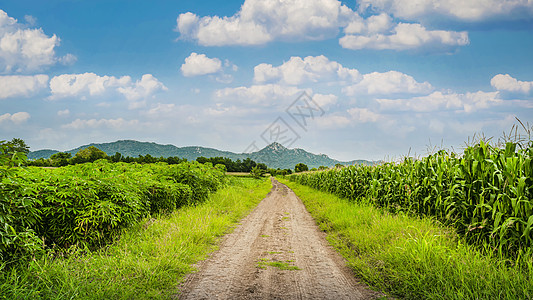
(275, 147)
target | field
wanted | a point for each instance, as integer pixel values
(445, 226)
(148, 259)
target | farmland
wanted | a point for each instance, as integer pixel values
(451, 226)
(113, 230)
(443, 226)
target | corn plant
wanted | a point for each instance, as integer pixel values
(486, 193)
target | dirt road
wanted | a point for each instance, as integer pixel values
(277, 252)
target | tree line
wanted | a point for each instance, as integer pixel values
(92, 154)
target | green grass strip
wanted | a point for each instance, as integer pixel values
(414, 258)
(149, 260)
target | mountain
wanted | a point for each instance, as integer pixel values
(274, 155)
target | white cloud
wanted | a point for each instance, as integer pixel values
(364, 115)
(509, 84)
(314, 69)
(333, 121)
(471, 10)
(264, 95)
(24, 49)
(21, 86)
(439, 101)
(86, 84)
(116, 124)
(262, 21)
(405, 36)
(310, 69)
(17, 118)
(324, 100)
(142, 89)
(64, 112)
(388, 83)
(200, 64)
(90, 85)
(161, 109)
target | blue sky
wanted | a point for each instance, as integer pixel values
(377, 78)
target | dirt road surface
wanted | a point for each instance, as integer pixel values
(277, 252)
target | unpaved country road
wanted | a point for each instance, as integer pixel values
(279, 231)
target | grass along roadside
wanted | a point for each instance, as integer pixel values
(413, 258)
(148, 261)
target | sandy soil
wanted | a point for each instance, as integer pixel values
(279, 232)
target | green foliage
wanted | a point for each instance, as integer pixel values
(16, 145)
(245, 165)
(60, 159)
(486, 194)
(415, 258)
(300, 167)
(90, 204)
(148, 261)
(89, 154)
(257, 172)
(18, 212)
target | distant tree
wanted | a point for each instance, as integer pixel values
(202, 159)
(283, 172)
(174, 160)
(313, 169)
(16, 145)
(19, 145)
(60, 159)
(262, 166)
(300, 167)
(322, 168)
(89, 154)
(147, 159)
(117, 157)
(338, 166)
(247, 165)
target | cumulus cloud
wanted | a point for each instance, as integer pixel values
(439, 101)
(364, 115)
(310, 69)
(388, 83)
(258, 94)
(24, 49)
(470, 11)
(17, 118)
(324, 100)
(200, 64)
(21, 86)
(262, 21)
(116, 124)
(90, 85)
(403, 36)
(64, 112)
(142, 89)
(507, 83)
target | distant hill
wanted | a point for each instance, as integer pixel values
(274, 155)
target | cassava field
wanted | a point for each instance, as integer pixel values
(445, 226)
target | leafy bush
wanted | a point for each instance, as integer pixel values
(88, 205)
(18, 211)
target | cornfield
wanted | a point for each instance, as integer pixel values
(486, 194)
